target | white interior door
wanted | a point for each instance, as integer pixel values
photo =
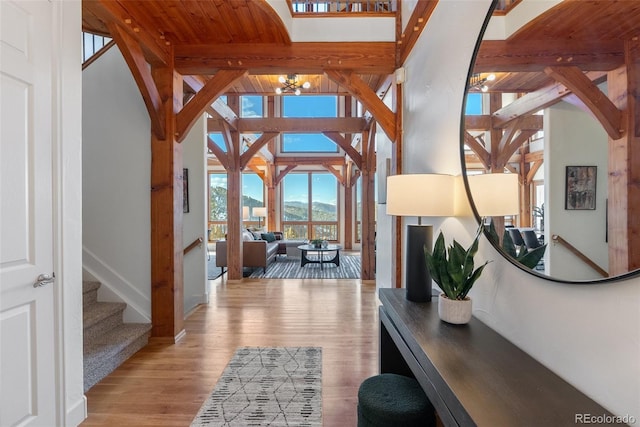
(27, 316)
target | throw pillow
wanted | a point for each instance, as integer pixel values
(256, 235)
(269, 237)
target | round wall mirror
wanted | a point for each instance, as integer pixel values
(547, 101)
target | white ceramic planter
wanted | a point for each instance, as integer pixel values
(453, 311)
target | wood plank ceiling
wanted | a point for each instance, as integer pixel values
(209, 35)
(574, 36)
(589, 35)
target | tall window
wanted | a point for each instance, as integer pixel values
(252, 196)
(309, 106)
(250, 106)
(310, 206)
(217, 206)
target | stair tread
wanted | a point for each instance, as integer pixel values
(89, 286)
(112, 342)
(99, 311)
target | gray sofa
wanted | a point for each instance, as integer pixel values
(255, 253)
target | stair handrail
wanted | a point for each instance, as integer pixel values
(192, 245)
(558, 239)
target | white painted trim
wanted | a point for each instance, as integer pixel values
(66, 134)
(117, 288)
(76, 412)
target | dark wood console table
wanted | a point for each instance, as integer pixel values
(472, 375)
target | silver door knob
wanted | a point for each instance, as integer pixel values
(44, 279)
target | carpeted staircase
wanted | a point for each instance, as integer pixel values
(108, 342)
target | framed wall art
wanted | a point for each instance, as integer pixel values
(580, 188)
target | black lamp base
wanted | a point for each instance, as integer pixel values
(417, 278)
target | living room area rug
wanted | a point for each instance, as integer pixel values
(267, 386)
(213, 272)
(289, 268)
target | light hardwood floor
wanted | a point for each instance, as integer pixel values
(165, 385)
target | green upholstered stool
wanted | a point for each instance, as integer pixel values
(390, 400)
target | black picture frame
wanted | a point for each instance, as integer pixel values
(185, 190)
(580, 188)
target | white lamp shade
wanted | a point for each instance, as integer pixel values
(420, 195)
(495, 194)
(245, 213)
(260, 212)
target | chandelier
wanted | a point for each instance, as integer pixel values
(290, 85)
(477, 82)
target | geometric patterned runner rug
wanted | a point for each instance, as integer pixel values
(289, 268)
(267, 386)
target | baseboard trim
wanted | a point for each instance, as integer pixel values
(117, 288)
(168, 340)
(77, 412)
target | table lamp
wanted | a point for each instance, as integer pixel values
(419, 195)
(260, 212)
(495, 194)
(245, 213)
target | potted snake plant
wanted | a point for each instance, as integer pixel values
(453, 270)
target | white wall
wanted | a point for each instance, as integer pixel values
(574, 138)
(116, 184)
(116, 191)
(194, 222)
(589, 335)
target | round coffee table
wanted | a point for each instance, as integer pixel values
(304, 259)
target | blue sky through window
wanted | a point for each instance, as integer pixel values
(251, 106)
(324, 187)
(474, 104)
(309, 106)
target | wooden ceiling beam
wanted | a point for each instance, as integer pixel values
(304, 160)
(280, 176)
(483, 155)
(533, 170)
(211, 90)
(513, 146)
(293, 125)
(487, 122)
(217, 151)
(336, 173)
(609, 116)
(156, 50)
(134, 57)
(538, 100)
(417, 22)
(256, 147)
(368, 98)
(304, 58)
(535, 55)
(346, 146)
(220, 109)
(258, 171)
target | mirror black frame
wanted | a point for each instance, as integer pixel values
(501, 251)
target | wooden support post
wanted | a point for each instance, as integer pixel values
(234, 199)
(367, 198)
(234, 222)
(167, 302)
(396, 169)
(624, 166)
(348, 206)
